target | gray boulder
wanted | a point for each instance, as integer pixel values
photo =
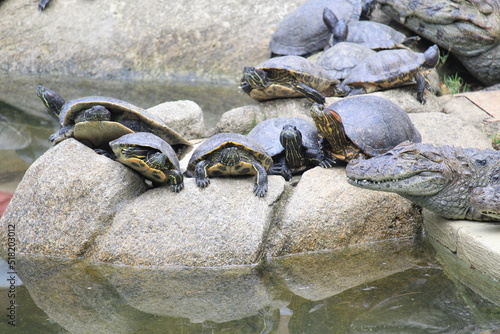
(224, 224)
(185, 117)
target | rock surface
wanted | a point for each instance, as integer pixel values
(66, 200)
(148, 39)
(186, 117)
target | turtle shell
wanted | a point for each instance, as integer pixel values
(342, 57)
(303, 32)
(124, 119)
(147, 140)
(267, 134)
(374, 35)
(385, 69)
(213, 145)
(278, 69)
(374, 124)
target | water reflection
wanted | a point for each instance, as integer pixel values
(397, 290)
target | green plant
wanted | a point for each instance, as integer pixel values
(455, 83)
(495, 141)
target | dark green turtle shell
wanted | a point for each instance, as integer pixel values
(386, 69)
(374, 35)
(149, 140)
(374, 124)
(121, 112)
(220, 141)
(302, 69)
(338, 60)
(303, 32)
(267, 134)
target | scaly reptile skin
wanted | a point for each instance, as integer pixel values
(454, 182)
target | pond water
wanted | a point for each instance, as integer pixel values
(396, 286)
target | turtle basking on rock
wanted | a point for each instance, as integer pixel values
(230, 154)
(453, 182)
(285, 77)
(374, 35)
(389, 69)
(97, 120)
(151, 156)
(293, 143)
(363, 126)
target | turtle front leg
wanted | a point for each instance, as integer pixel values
(65, 132)
(310, 93)
(260, 188)
(201, 174)
(176, 180)
(319, 158)
(421, 83)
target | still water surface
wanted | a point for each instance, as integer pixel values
(391, 287)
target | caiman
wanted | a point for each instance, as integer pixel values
(448, 180)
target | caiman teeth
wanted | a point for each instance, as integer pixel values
(366, 181)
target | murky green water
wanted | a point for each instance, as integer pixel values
(391, 287)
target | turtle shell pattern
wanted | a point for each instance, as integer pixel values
(385, 69)
(121, 112)
(342, 57)
(267, 133)
(374, 35)
(279, 69)
(210, 149)
(374, 124)
(148, 140)
(302, 32)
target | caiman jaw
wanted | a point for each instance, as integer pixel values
(417, 184)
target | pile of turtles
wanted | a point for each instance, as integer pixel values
(358, 56)
(349, 128)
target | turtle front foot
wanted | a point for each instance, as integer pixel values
(202, 182)
(260, 190)
(327, 162)
(177, 187)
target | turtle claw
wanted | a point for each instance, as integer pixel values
(260, 190)
(202, 182)
(177, 187)
(327, 162)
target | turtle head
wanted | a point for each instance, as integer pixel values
(156, 159)
(431, 56)
(255, 77)
(327, 121)
(291, 139)
(50, 99)
(96, 113)
(230, 156)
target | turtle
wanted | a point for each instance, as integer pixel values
(363, 126)
(375, 35)
(293, 143)
(230, 154)
(97, 120)
(52, 100)
(302, 32)
(342, 57)
(288, 76)
(151, 156)
(391, 68)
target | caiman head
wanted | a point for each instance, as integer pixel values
(408, 169)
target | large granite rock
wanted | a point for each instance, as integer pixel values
(186, 117)
(67, 198)
(221, 225)
(149, 39)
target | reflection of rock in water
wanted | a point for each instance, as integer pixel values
(76, 297)
(13, 136)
